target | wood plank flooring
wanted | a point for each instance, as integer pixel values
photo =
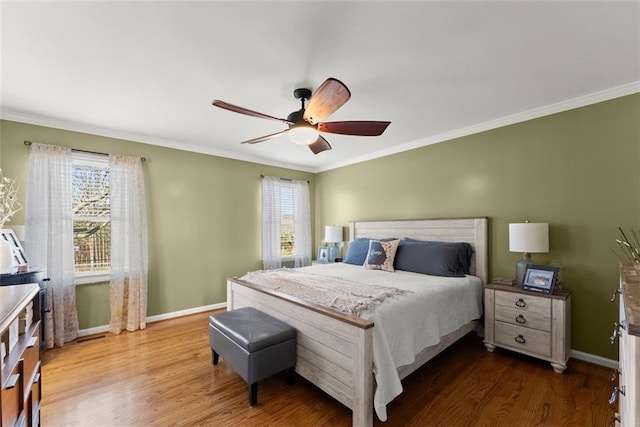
(163, 376)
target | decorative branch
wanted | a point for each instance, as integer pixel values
(9, 204)
(630, 247)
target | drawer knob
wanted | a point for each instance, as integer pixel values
(616, 333)
(520, 319)
(614, 395)
(520, 339)
(616, 374)
(615, 294)
(520, 303)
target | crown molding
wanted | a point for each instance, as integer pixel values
(559, 107)
(570, 104)
(14, 116)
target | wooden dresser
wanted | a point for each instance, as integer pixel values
(20, 366)
(628, 332)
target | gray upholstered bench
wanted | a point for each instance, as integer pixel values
(254, 344)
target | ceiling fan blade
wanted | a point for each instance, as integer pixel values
(331, 95)
(320, 145)
(246, 111)
(360, 128)
(263, 138)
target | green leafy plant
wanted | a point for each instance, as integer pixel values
(629, 247)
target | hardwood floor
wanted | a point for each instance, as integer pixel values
(163, 376)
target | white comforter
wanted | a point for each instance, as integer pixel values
(436, 306)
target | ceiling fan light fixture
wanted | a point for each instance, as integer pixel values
(305, 125)
(303, 135)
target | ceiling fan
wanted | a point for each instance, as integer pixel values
(305, 125)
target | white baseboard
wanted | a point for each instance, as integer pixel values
(157, 318)
(580, 355)
(592, 358)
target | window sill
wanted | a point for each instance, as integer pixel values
(90, 278)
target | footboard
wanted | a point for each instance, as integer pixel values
(334, 350)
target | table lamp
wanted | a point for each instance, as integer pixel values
(333, 236)
(527, 237)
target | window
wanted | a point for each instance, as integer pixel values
(91, 214)
(286, 222)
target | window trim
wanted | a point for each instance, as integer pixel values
(89, 278)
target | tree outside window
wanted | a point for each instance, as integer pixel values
(91, 215)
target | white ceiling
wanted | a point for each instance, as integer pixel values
(148, 71)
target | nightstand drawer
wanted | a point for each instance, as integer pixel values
(524, 302)
(521, 317)
(523, 339)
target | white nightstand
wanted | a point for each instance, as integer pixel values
(538, 325)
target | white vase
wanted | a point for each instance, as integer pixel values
(6, 257)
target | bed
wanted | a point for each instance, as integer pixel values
(336, 350)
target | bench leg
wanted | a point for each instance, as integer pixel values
(215, 356)
(291, 374)
(253, 394)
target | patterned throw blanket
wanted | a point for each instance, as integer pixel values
(340, 294)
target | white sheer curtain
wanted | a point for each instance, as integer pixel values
(271, 222)
(302, 224)
(275, 193)
(129, 252)
(49, 237)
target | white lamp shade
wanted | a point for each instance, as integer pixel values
(333, 234)
(532, 237)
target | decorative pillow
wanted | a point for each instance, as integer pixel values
(381, 255)
(358, 249)
(433, 258)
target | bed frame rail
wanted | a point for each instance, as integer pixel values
(333, 354)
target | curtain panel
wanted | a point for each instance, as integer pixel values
(275, 193)
(129, 250)
(271, 223)
(49, 237)
(302, 223)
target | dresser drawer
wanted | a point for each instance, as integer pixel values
(31, 356)
(523, 339)
(36, 393)
(11, 397)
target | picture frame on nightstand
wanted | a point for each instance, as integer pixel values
(540, 278)
(323, 255)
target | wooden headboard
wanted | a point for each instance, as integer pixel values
(470, 230)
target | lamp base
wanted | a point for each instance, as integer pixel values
(521, 267)
(334, 252)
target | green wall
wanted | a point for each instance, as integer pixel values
(578, 170)
(203, 217)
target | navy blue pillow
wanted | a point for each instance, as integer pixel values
(434, 258)
(465, 251)
(358, 250)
